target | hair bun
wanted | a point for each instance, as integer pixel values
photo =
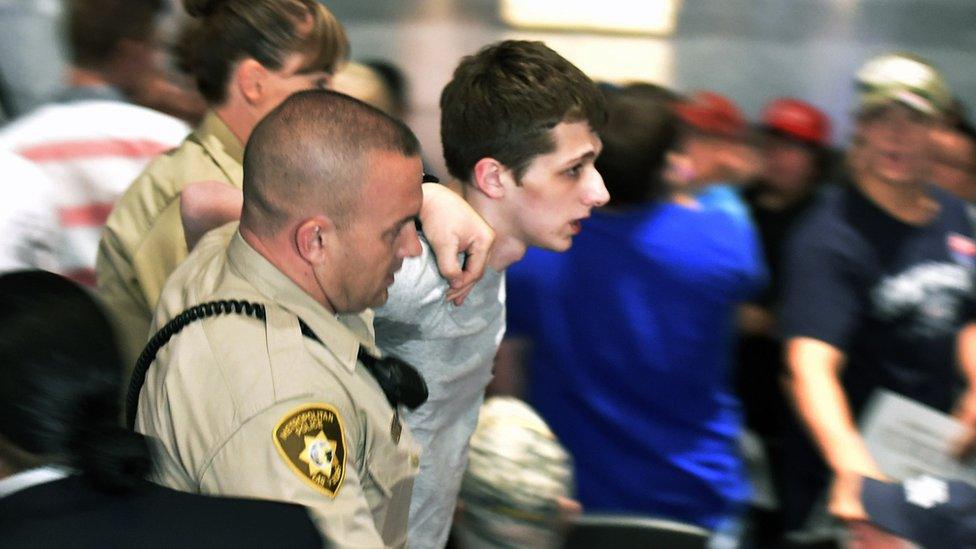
(201, 8)
(114, 459)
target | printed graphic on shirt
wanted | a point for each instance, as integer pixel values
(926, 491)
(929, 297)
(311, 440)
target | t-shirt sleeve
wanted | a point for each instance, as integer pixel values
(402, 303)
(416, 305)
(300, 452)
(162, 250)
(820, 297)
(27, 236)
(29, 230)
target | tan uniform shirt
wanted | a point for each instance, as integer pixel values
(143, 239)
(244, 407)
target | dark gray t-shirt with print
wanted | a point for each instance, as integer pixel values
(890, 295)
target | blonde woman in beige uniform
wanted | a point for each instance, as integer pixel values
(247, 56)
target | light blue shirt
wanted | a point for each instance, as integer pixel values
(454, 349)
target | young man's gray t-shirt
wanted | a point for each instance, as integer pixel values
(454, 349)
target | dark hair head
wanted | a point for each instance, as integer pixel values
(96, 27)
(641, 128)
(60, 383)
(395, 81)
(309, 156)
(966, 129)
(503, 101)
(824, 157)
(268, 31)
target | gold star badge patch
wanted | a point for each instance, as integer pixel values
(311, 441)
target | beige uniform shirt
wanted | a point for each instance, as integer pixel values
(143, 239)
(244, 407)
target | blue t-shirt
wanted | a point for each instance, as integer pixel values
(632, 331)
(890, 295)
(725, 197)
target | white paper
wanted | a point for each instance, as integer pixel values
(907, 439)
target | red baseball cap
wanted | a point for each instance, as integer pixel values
(797, 119)
(711, 113)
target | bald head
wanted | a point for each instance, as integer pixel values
(310, 156)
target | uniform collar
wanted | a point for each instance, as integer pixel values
(222, 146)
(342, 334)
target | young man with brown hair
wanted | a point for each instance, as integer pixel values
(518, 125)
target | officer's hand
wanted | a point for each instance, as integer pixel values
(452, 228)
(206, 205)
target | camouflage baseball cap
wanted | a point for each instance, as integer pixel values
(902, 78)
(517, 472)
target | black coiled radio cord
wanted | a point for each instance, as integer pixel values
(400, 382)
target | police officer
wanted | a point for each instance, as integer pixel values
(70, 475)
(246, 56)
(288, 407)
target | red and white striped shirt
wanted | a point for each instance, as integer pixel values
(91, 150)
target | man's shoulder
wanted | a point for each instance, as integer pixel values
(829, 200)
(201, 277)
(417, 286)
(157, 186)
(953, 210)
(137, 120)
(169, 172)
(120, 118)
(419, 314)
(217, 356)
(128, 128)
(826, 220)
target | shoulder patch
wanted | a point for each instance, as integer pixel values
(312, 442)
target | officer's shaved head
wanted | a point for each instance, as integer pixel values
(309, 156)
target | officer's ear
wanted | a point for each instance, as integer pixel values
(315, 239)
(489, 176)
(249, 78)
